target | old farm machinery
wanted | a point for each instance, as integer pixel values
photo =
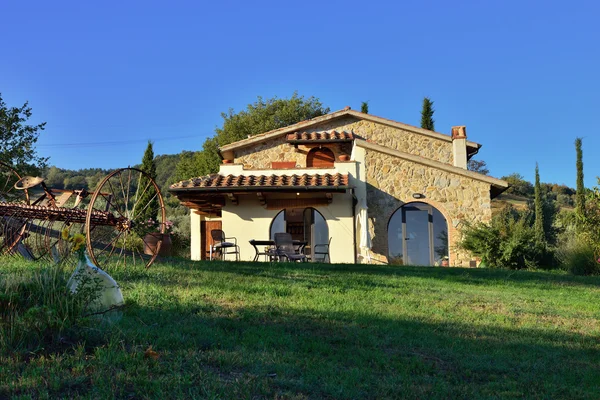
(114, 218)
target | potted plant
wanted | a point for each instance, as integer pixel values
(154, 236)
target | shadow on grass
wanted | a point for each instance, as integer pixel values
(350, 355)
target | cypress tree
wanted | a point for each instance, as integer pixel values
(427, 121)
(539, 206)
(149, 167)
(580, 193)
(364, 107)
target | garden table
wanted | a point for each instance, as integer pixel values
(268, 244)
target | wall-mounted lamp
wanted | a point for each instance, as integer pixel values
(418, 195)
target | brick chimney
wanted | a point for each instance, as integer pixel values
(459, 146)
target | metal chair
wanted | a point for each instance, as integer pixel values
(222, 245)
(321, 252)
(285, 248)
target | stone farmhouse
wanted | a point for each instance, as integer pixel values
(382, 191)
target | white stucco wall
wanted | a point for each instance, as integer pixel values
(249, 220)
(195, 236)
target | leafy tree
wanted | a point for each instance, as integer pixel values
(266, 115)
(17, 138)
(478, 166)
(518, 185)
(539, 207)
(364, 107)
(580, 194)
(147, 195)
(258, 117)
(55, 177)
(75, 182)
(427, 121)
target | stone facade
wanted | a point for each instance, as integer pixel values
(260, 156)
(391, 183)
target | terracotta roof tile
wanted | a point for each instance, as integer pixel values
(320, 136)
(216, 181)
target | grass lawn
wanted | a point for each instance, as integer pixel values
(300, 331)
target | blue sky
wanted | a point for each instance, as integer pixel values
(521, 75)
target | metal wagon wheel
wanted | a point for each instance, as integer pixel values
(12, 229)
(117, 215)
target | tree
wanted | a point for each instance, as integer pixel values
(148, 198)
(427, 121)
(364, 107)
(518, 185)
(17, 138)
(580, 193)
(539, 207)
(259, 117)
(478, 166)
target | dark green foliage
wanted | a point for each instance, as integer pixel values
(364, 107)
(427, 121)
(259, 117)
(18, 139)
(539, 207)
(509, 241)
(478, 166)
(580, 202)
(518, 185)
(148, 198)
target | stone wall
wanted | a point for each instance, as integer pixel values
(391, 182)
(261, 155)
(392, 138)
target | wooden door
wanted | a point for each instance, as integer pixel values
(205, 238)
(320, 158)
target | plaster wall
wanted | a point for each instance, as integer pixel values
(249, 220)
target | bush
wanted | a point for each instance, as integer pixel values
(38, 312)
(576, 254)
(509, 241)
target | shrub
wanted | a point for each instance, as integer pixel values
(576, 254)
(509, 241)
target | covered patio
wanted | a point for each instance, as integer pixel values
(313, 207)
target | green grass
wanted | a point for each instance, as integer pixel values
(244, 330)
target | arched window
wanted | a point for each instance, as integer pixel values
(417, 235)
(304, 224)
(320, 157)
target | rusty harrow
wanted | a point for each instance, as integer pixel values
(113, 218)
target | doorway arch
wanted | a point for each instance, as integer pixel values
(418, 235)
(304, 224)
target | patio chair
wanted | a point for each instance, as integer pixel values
(285, 248)
(321, 252)
(223, 245)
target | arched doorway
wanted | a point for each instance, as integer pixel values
(304, 224)
(417, 235)
(320, 157)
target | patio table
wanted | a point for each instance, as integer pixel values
(270, 243)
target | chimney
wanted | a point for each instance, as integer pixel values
(459, 146)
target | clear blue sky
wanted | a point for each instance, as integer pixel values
(521, 75)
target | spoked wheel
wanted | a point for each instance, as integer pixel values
(12, 229)
(8, 177)
(119, 216)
